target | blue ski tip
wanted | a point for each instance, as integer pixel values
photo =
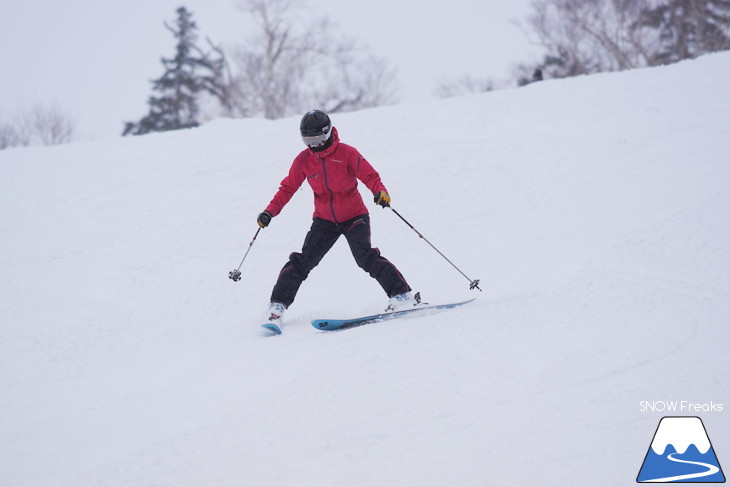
(275, 330)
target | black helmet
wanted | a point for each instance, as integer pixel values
(315, 128)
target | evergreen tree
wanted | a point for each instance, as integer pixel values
(187, 75)
(689, 28)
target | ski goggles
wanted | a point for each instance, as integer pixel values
(317, 140)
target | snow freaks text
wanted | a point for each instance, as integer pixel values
(680, 407)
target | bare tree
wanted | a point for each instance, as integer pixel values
(463, 86)
(8, 136)
(589, 36)
(13, 134)
(689, 28)
(357, 84)
(219, 86)
(51, 126)
(270, 64)
(40, 125)
(16, 131)
(290, 66)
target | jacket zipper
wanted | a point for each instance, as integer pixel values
(327, 186)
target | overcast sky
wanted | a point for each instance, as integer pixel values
(94, 58)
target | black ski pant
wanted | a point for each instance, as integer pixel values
(320, 239)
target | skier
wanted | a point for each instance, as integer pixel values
(332, 169)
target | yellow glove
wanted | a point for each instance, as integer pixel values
(382, 198)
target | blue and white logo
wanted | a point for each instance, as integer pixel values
(681, 452)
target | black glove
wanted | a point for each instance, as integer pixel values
(264, 219)
(382, 199)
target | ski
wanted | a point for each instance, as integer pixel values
(330, 325)
(272, 328)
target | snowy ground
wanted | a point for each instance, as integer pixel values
(594, 210)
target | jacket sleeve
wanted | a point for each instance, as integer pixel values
(289, 185)
(367, 174)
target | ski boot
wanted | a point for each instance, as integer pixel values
(273, 322)
(404, 301)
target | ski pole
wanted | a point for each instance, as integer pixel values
(473, 284)
(235, 274)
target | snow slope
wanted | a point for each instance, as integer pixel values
(594, 210)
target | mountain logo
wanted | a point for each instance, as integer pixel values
(681, 452)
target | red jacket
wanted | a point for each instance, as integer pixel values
(332, 174)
